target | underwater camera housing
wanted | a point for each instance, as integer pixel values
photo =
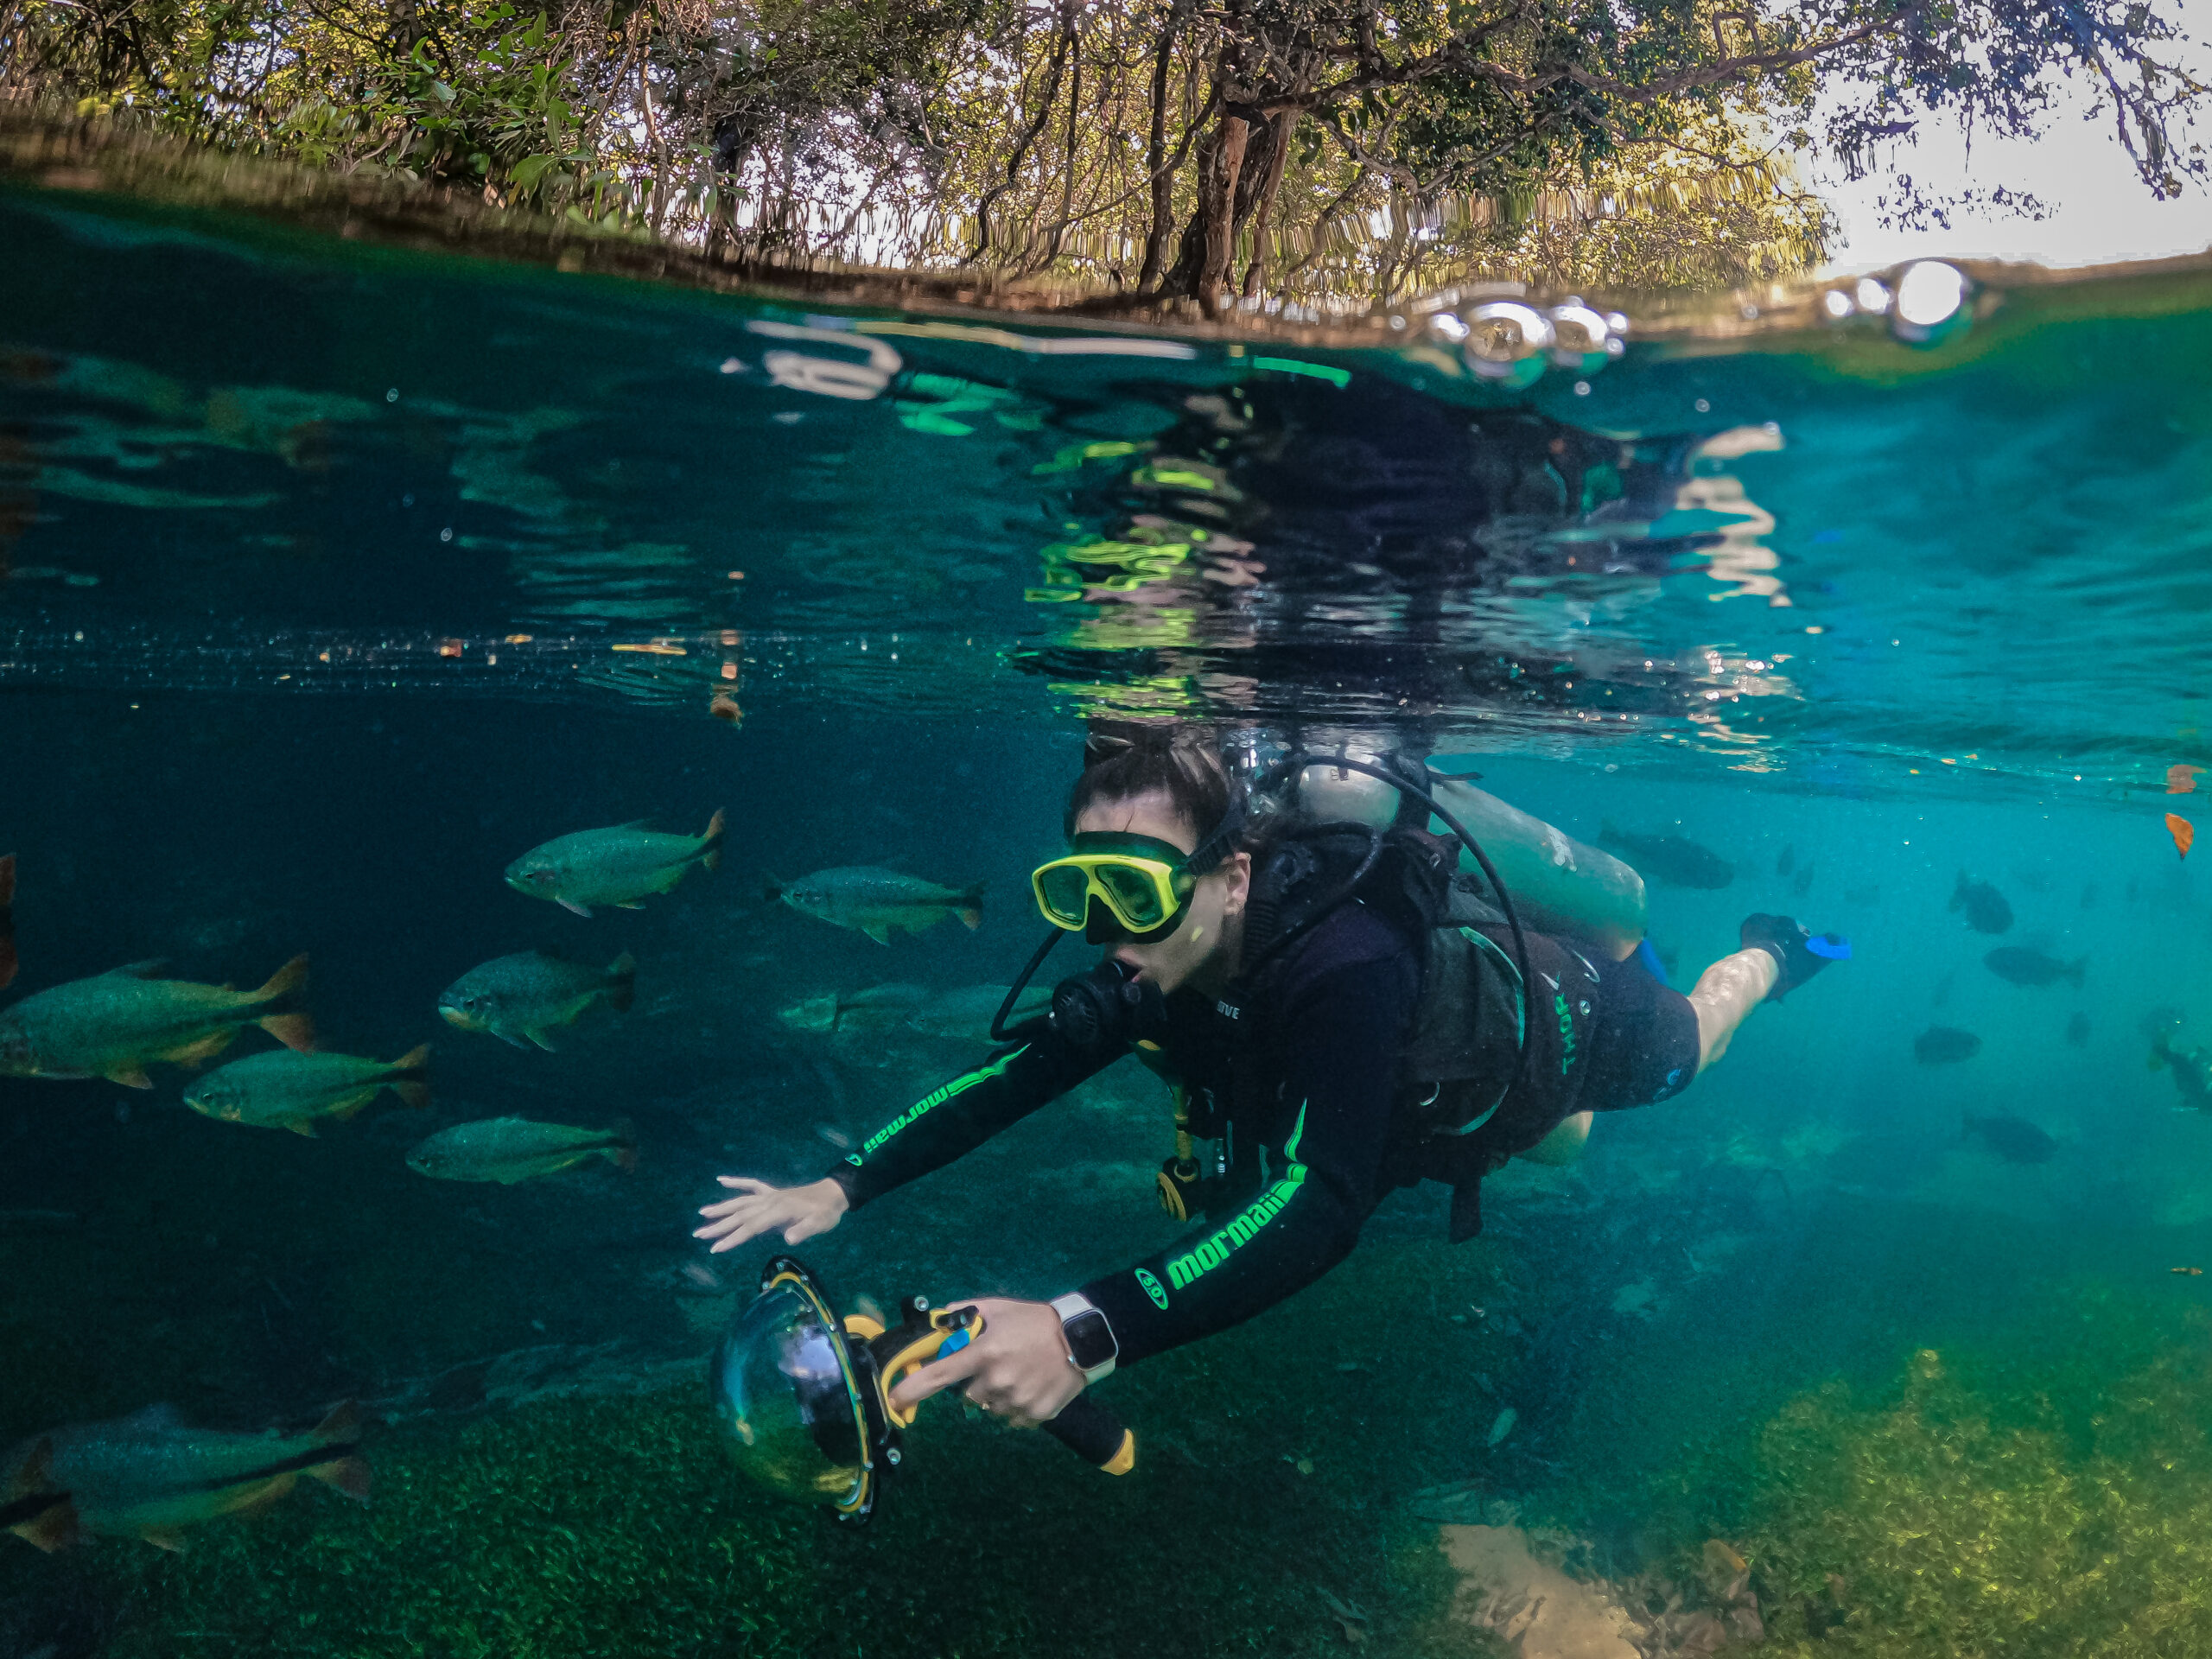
(804, 1397)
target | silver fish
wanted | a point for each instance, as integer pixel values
(526, 994)
(878, 902)
(114, 1025)
(511, 1149)
(282, 1090)
(619, 866)
(148, 1476)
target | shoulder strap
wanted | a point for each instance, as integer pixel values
(1469, 1022)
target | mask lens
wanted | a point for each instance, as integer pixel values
(1062, 890)
(1134, 894)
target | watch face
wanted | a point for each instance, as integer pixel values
(1090, 1339)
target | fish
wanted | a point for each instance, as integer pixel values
(1804, 881)
(148, 1476)
(30, 1506)
(115, 1025)
(1862, 895)
(965, 1014)
(2192, 1070)
(7, 920)
(1674, 859)
(2194, 1273)
(1787, 862)
(619, 866)
(1942, 1044)
(2021, 966)
(528, 994)
(877, 901)
(877, 1008)
(2182, 832)
(511, 1149)
(2181, 779)
(282, 1090)
(2012, 1139)
(1986, 910)
(2077, 1030)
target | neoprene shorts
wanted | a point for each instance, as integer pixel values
(1644, 1042)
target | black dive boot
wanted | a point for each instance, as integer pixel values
(1798, 950)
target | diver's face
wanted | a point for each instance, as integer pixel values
(1212, 917)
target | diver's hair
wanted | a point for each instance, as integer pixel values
(1122, 762)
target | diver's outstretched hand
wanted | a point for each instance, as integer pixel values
(801, 1212)
(1018, 1370)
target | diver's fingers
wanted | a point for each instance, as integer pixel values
(742, 1231)
(730, 1207)
(750, 1192)
(806, 1227)
(745, 1223)
(937, 1376)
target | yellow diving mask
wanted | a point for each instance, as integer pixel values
(1114, 885)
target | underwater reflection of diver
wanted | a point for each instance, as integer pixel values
(803, 1396)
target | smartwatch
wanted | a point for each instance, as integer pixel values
(1091, 1347)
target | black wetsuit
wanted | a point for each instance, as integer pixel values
(1304, 1084)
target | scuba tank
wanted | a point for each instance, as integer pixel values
(1470, 1029)
(1559, 885)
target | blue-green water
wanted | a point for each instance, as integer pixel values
(332, 578)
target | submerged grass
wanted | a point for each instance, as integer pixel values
(2036, 1494)
(2040, 1508)
(618, 1527)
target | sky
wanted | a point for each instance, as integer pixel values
(2101, 211)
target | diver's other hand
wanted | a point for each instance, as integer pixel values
(800, 1213)
(1019, 1368)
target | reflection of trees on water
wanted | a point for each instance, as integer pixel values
(1300, 547)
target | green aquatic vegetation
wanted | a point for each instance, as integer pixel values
(618, 1527)
(1974, 1515)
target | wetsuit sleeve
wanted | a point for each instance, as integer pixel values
(1344, 1036)
(954, 1118)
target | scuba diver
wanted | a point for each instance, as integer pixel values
(1338, 1013)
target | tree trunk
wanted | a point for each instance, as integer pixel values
(1219, 209)
(1155, 161)
(1275, 139)
(1065, 31)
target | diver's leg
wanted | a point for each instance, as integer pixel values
(1725, 993)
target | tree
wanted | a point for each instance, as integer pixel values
(1284, 153)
